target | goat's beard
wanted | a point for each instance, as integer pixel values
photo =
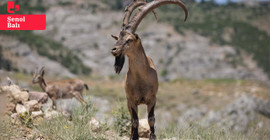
(119, 63)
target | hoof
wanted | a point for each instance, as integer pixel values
(152, 137)
(134, 138)
(54, 108)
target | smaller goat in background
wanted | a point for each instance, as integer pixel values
(65, 89)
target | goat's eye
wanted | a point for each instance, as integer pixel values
(129, 40)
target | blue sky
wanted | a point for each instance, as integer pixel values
(225, 1)
(219, 1)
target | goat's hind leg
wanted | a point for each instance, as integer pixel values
(151, 119)
(79, 97)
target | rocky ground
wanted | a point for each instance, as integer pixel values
(196, 110)
(207, 90)
(26, 110)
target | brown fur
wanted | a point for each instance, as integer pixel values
(141, 81)
(64, 89)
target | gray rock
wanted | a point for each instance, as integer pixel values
(194, 113)
(235, 116)
(263, 107)
(41, 97)
(20, 109)
(15, 93)
(32, 105)
(95, 125)
(144, 129)
(37, 114)
(49, 114)
(47, 106)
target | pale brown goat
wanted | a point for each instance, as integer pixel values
(141, 82)
(61, 89)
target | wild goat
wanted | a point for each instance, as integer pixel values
(141, 82)
(61, 89)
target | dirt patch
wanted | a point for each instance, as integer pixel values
(3, 102)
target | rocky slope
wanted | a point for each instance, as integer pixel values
(32, 115)
(176, 56)
(26, 60)
(86, 31)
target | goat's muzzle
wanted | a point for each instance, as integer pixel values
(34, 81)
(115, 51)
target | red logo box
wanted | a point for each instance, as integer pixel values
(22, 22)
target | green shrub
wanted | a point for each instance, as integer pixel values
(114, 4)
(121, 120)
(77, 129)
(26, 119)
(195, 131)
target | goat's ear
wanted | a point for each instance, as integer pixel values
(115, 37)
(137, 36)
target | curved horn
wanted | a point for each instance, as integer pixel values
(134, 23)
(42, 68)
(129, 10)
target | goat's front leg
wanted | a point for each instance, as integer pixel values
(54, 103)
(151, 119)
(134, 122)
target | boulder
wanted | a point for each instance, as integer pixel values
(95, 125)
(37, 114)
(14, 118)
(236, 116)
(49, 114)
(41, 97)
(263, 107)
(47, 105)
(67, 114)
(144, 129)
(15, 93)
(20, 109)
(32, 105)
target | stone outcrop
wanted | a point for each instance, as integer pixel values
(144, 129)
(16, 95)
(41, 97)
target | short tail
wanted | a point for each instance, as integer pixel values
(86, 87)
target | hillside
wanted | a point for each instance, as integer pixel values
(215, 42)
(214, 72)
